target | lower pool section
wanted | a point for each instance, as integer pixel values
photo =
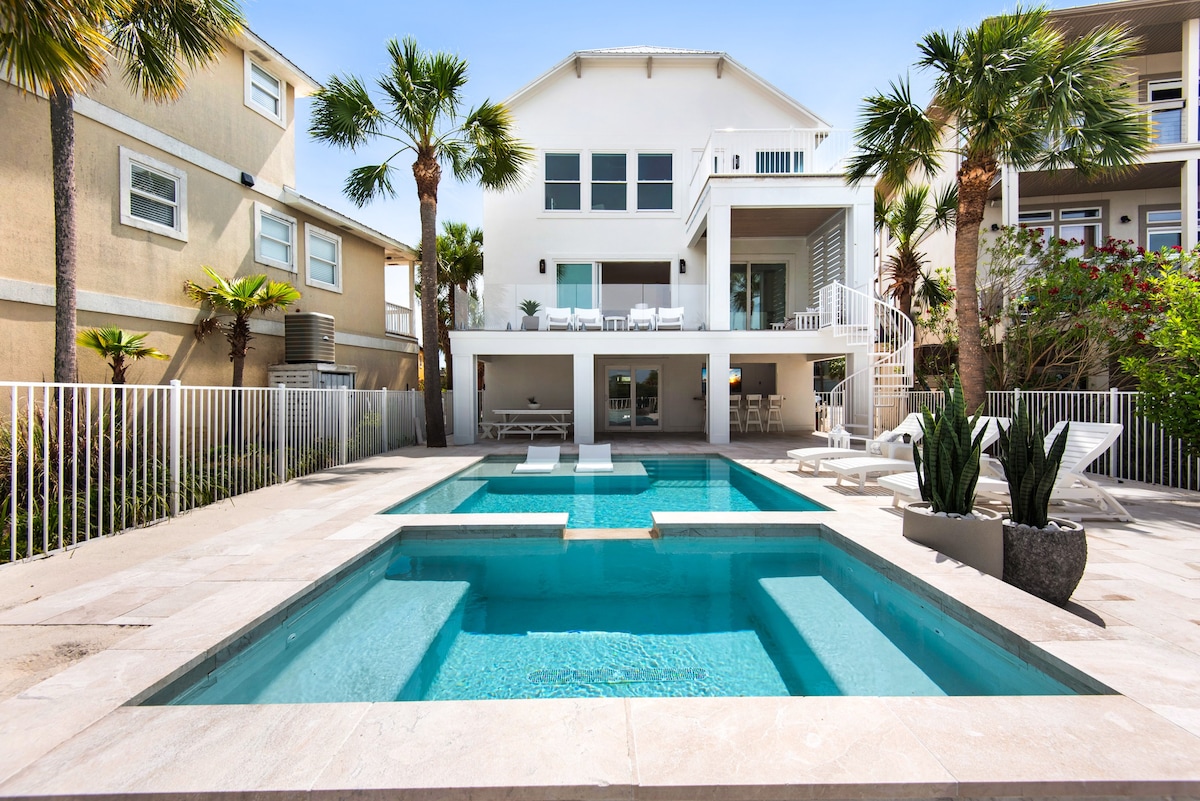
(517, 618)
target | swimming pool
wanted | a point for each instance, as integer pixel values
(684, 616)
(622, 499)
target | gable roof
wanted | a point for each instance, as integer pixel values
(719, 59)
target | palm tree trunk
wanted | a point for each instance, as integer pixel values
(974, 181)
(62, 148)
(427, 174)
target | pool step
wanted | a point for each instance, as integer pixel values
(607, 533)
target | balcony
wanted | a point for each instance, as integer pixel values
(398, 320)
(1166, 118)
(771, 151)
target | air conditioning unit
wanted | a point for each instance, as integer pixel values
(308, 337)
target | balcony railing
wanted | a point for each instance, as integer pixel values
(398, 320)
(772, 151)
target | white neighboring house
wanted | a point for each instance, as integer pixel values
(675, 178)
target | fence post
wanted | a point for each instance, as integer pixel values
(387, 445)
(281, 435)
(1016, 402)
(1113, 417)
(175, 394)
(344, 425)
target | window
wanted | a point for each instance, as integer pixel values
(609, 190)
(324, 258)
(274, 238)
(562, 182)
(1085, 225)
(153, 195)
(1164, 229)
(265, 93)
(655, 188)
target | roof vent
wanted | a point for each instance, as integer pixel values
(308, 337)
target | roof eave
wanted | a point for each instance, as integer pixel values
(254, 44)
(391, 247)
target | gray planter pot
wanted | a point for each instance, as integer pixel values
(1045, 562)
(978, 543)
(531, 323)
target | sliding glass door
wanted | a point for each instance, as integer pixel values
(632, 398)
(757, 295)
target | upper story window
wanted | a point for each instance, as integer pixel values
(265, 92)
(655, 182)
(562, 182)
(1166, 110)
(153, 195)
(274, 238)
(1084, 224)
(324, 258)
(609, 187)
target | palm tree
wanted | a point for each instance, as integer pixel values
(119, 346)
(460, 265)
(421, 114)
(241, 298)
(60, 48)
(909, 218)
(1013, 90)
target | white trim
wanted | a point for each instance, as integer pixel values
(311, 231)
(259, 210)
(130, 158)
(279, 118)
(34, 294)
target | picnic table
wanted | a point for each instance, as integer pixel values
(532, 422)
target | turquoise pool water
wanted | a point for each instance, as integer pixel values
(621, 499)
(541, 618)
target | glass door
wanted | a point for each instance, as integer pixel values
(757, 296)
(632, 398)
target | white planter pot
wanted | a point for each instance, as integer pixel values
(978, 543)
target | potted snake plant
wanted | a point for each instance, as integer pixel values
(1043, 556)
(530, 308)
(947, 462)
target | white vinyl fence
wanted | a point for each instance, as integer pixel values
(1142, 453)
(79, 461)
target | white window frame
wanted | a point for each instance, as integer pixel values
(592, 182)
(259, 210)
(128, 158)
(640, 181)
(577, 182)
(279, 119)
(310, 231)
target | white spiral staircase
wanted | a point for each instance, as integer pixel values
(861, 320)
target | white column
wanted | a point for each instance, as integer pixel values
(718, 397)
(719, 236)
(584, 404)
(1188, 201)
(1010, 186)
(860, 247)
(466, 390)
(1191, 77)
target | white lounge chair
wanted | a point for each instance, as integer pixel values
(669, 319)
(558, 319)
(860, 467)
(886, 444)
(539, 459)
(595, 459)
(641, 319)
(588, 320)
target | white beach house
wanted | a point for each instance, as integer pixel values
(685, 221)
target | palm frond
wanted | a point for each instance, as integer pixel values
(343, 113)
(49, 45)
(365, 184)
(894, 136)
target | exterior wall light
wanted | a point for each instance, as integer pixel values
(682, 266)
(1125, 218)
(542, 266)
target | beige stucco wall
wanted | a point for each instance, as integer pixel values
(212, 115)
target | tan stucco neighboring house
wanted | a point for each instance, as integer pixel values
(166, 188)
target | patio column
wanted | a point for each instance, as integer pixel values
(718, 396)
(1188, 202)
(719, 236)
(1010, 186)
(584, 404)
(1191, 74)
(466, 390)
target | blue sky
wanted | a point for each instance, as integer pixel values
(828, 55)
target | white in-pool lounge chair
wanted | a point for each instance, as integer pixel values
(539, 459)
(595, 459)
(860, 467)
(884, 445)
(1074, 494)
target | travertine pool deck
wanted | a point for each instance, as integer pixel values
(150, 604)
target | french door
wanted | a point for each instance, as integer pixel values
(631, 400)
(757, 296)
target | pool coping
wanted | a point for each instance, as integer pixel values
(76, 734)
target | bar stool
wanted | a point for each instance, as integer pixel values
(735, 413)
(775, 412)
(753, 412)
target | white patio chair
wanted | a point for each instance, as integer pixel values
(669, 319)
(641, 319)
(539, 459)
(588, 320)
(558, 319)
(595, 459)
